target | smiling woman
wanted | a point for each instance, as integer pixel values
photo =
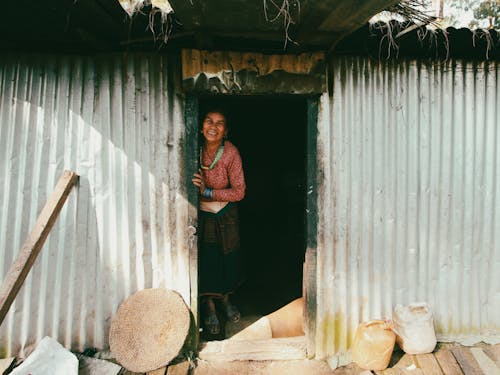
(221, 183)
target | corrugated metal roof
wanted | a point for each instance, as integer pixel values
(409, 207)
(118, 122)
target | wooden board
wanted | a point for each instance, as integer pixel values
(34, 243)
(181, 368)
(493, 352)
(408, 365)
(429, 364)
(256, 350)
(226, 72)
(487, 365)
(448, 363)
(466, 360)
(160, 371)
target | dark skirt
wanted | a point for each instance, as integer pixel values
(220, 268)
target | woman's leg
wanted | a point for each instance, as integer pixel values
(211, 322)
(231, 311)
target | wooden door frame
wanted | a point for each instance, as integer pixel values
(310, 267)
(191, 166)
(191, 112)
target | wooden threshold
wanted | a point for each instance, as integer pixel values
(287, 348)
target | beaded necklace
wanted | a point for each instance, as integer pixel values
(220, 150)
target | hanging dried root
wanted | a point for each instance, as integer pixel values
(165, 25)
(413, 10)
(158, 7)
(285, 10)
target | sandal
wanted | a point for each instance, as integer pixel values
(212, 323)
(232, 313)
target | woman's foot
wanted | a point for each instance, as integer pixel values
(232, 313)
(212, 324)
(211, 321)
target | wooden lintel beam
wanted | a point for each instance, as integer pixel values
(34, 243)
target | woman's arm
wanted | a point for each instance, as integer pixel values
(236, 191)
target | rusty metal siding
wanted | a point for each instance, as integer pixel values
(118, 122)
(409, 197)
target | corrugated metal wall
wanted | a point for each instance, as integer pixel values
(409, 197)
(408, 206)
(118, 122)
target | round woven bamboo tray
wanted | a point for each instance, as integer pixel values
(149, 329)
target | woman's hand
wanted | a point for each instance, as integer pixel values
(199, 180)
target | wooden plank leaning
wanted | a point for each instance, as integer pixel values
(33, 244)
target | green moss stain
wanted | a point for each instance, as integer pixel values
(454, 328)
(333, 331)
(4, 351)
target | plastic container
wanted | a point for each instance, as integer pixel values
(414, 327)
(373, 345)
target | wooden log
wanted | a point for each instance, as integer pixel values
(34, 243)
(448, 363)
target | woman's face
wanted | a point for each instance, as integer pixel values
(214, 127)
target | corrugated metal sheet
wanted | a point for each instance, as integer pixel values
(408, 168)
(118, 122)
(409, 197)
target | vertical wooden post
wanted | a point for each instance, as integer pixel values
(33, 244)
(191, 159)
(309, 277)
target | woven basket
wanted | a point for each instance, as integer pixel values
(149, 329)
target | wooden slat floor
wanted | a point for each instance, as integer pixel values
(447, 359)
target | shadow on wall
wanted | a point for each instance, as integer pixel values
(117, 123)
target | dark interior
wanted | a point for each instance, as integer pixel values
(270, 133)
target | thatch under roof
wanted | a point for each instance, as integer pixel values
(97, 25)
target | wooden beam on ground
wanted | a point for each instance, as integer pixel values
(493, 352)
(288, 348)
(466, 360)
(486, 364)
(447, 361)
(33, 244)
(429, 364)
(408, 365)
(181, 368)
(160, 371)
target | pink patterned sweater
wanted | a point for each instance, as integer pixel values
(226, 179)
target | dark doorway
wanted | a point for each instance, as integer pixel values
(271, 135)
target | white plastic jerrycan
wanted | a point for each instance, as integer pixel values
(414, 328)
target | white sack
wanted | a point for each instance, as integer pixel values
(49, 358)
